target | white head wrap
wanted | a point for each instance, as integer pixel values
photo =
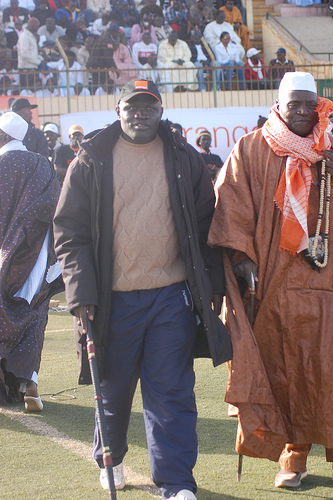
(297, 80)
(13, 125)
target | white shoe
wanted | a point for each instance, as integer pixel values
(184, 495)
(118, 477)
(289, 479)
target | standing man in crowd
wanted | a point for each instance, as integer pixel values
(29, 276)
(28, 57)
(51, 133)
(279, 66)
(34, 140)
(269, 215)
(67, 152)
(131, 230)
(213, 162)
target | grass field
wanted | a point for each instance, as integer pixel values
(48, 455)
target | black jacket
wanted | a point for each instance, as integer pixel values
(84, 236)
(35, 141)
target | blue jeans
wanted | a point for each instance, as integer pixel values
(201, 75)
(220, 73)
(152, 334)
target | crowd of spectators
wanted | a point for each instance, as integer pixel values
(106, 43)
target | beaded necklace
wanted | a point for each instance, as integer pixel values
(325, 181)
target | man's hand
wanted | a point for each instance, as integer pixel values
(83, 314)
(245, 268)
(217, 303)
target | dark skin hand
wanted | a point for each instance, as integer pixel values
(244, 268)
(83, 314)
(217, 303)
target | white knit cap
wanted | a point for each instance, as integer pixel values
(297, 80)
(13, 125)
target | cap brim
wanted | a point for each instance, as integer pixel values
(33, 106)
(133, 94)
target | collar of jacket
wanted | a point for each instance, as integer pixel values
(97, 145)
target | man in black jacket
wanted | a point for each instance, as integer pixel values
(34, 140)
(130, 230)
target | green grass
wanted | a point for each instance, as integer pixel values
(33, 467)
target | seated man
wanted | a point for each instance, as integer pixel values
(200, 58)
(176, 15)
(71, 12)
(99, 7)
(213, 31)
(256, 75)
(162, 29)
(151, 9)
(14, 12)
(156, 71)
(204, 12)
(100, 25)
(138, 29)
(50, 32)
(43, 11)
(125, 15)
(142, 50)
(279, 66)
(233, 16)
(226, 54)
(75, 73)
(176, 56)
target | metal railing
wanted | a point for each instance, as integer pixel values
(100, 88)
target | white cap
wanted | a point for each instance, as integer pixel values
(297, 80)
(51, 127)
(13, 125)
(252, 52)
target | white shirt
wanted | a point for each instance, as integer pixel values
(98, 28)
(200, 53)
(214, 30)
(27, 51)
(159, 75)
(226, 54)
(75, 74)
(140, 49)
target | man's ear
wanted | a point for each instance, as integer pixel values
(161, 112)
(277, 104)
(118, 112)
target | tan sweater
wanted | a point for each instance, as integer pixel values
(146, 250)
